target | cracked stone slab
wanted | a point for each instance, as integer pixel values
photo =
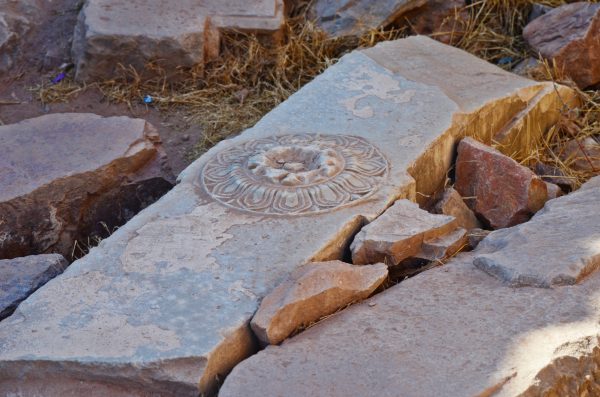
(163, 305)
(170, 33)
(398, 234)
(560, 245)
(451, 331)
(20, 277)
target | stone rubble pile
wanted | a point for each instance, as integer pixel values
(164, 305)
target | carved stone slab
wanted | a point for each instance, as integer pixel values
(162, 306)
(295, 174)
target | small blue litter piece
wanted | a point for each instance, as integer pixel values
(505, 61)
(60, 77)
(148, 99)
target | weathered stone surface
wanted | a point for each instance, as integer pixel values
(444, 20)
(583, 155)
(559, 246)
(451, 331)
(63, 174)
(171, 34)
(398, 234)
(537, 10)
(357, 17)
(443, 247)
(16, 20)
(569, 35)
(20, 277)
(452, 204)
(496, 187)
(313, 291)
(163, 305)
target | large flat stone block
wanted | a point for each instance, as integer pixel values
(169, 33)
(453, 331)
(163, 305)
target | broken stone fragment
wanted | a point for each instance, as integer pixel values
(20, 277)
(171, 34)
(356, 18)
(582, 155)
(560, 245)
(443, 247)
(499, 190)
(398, 234)
(452, 204)
(312, 292)
(64, 175)
(569, 35)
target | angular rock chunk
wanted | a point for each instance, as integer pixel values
(357, 17)
(452, 331)
(554, 191)
(569, 35)
(63, 174)
(169, 33)
(443, 247)
(20, 277)
(313, 291)
(452, 204)
(162, 306)
(496, 187)
(560, 245)
(398, 234)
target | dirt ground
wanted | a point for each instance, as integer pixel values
(47, 46)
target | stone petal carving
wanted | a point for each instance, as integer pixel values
(295, 174)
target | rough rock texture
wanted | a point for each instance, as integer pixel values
(476, 236)
(452, 331)
(496, 187)
(583, 155)
(313, 291)
(357, 17)
(163, 305)
(569, 35)
(444, 20)
(442, 247)
(398, 234)
(20, 277)
(169, 33)
(16, 20)
(560, 245)
(452, 204)
(63, 174)
(537, 10)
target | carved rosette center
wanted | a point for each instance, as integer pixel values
(295, 174)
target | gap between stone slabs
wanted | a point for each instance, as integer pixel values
(163, 305)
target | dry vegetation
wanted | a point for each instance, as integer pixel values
(229, 95)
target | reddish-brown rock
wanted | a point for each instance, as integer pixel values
(61, 175)
(313, 291)
(452, 204)
(500, 190)
(582, 155)
(569, 35)
(398, 234)
(554, 191)
(555, 176)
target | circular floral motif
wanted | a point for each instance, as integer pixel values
(295, 174)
